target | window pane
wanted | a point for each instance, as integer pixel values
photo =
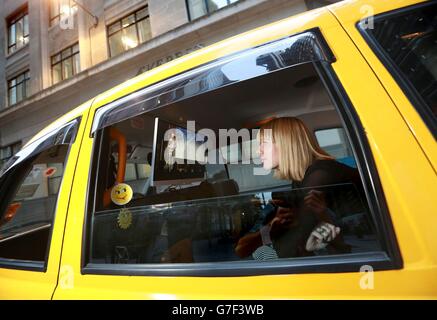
(55, 178)
(128, 21)
(56, 58)
(26, 25)
(76, 64)
(13, 96)
(26, 88)
(57, 73)
(144, 30)
(67, 68)
(114, 27)
(66, 53)
(196, 8)
(410, 42)
(214, 5)
(20, 92)
(115, 44)
(75, 48)
(196, 207)
(12, 35)
(20, 78)
(25, 225)
(129, 38)
(19, 31)
(142, 13)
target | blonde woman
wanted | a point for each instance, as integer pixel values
(290, 149)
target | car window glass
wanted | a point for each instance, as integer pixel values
(206, 193)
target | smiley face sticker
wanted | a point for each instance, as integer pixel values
(121, 194)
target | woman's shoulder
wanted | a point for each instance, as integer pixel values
(330, 170)
(327, 164)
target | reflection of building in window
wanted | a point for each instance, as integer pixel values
(199, 8)
(58, 8)
(129, 32)
(66, 63)
(18, 30)
(30, 205)
(8, 151)
(54, 180)
(18, 88)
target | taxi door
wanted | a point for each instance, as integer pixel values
(35, 187)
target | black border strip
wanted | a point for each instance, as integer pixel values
(317, 264)
(405, 85)
(23, 265)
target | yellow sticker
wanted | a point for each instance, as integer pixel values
(124, 218)
(121, 194)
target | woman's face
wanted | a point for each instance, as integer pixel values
(269, 154)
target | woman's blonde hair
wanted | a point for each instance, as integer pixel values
(297, 147)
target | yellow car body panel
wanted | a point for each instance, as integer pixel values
(349, 13)
(407, 176)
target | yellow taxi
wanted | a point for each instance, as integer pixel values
(148, 190)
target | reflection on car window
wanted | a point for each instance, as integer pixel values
(409, 40)
(31, 195)
(201, 189)
(334, 141)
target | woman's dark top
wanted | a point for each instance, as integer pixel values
(336, 181)
(328, 172)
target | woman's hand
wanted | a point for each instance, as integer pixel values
(284, 219)
(316, 201)
(321, 236)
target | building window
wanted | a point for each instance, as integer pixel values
(18, 30)
(8, 151)
(128, 32)
(58, 8)
(66, 63)
(199, 8)
(18, 88)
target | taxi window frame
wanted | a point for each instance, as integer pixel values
(388, 258)
(167, 91)
(408, 89)
(63, 135)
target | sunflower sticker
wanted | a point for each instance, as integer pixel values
(124, 219)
